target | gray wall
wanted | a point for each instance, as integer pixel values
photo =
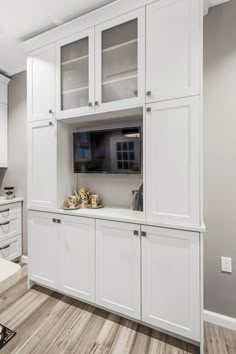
(220, 156)
(15, 175)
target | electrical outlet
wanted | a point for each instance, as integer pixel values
(226, 264)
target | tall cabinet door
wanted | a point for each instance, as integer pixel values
(77, 255)
(43, 249)
(118, 267)
(120, 61)
(173, 162)
(42, 164)
(41, 83)
(173, 40)
(75, 74)
(3, 135)
(170, 280)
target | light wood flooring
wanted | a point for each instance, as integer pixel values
(47, 322)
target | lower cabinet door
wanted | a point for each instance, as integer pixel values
(118, 267)
(77, 257)
(43, 249)
(170, 280)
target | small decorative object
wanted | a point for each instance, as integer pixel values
(95, 200)
(6, 335)
(9, 193)
(137, 199)
(84, 196)
(72, 201)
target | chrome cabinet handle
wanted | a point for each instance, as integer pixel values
(50, 124)
(54, 220)
(96, 103)
(90, 104)
(4, 211)
(50, 111)
(5, 247)
(144, 234)
(149, 109)
(5, 223)
(58, 221)
(136, 233)
(148, 93)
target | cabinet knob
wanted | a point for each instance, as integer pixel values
(50, 111)
(144, 234)
(54, 220)
(50, 124)
(58, 221)
(149, 109)
(148, 93)
(90, 104)
(96, 103)
(136, 233)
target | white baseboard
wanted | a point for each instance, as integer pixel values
(24, 259)
(220, 320)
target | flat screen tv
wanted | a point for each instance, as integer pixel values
(108, 151)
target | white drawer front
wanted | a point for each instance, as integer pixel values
(8, 210)
(10, 227)
(10, 249)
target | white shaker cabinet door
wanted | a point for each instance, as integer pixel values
(173, 47)
(173, 162)
(77, 257)
(42, 164)
(43, 249)
(41, 83)
(170, 280)
(118, 267)
(3, 136)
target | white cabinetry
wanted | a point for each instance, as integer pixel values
(42, 164)
(170, 280)
(3, 121)
(173, 49)
(77, 257)
(43, 249)
(173, 162)
(118, 267)
(41, 83)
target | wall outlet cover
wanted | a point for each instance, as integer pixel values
(226, 264)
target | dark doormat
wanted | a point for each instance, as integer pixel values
(6, 335)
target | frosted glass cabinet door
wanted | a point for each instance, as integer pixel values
(75, 74)
(120, 61)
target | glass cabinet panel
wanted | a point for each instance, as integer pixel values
(120, 62)
(75, 74)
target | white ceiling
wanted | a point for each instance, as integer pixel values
(23, 19)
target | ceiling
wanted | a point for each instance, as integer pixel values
(21, 20)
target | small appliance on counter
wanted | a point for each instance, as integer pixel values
(9, 193)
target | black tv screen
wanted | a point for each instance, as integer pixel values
(107, 151)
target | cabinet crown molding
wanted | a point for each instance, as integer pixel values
(4, 79)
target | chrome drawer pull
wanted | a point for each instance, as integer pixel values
(5, 247)
(4, 211)
(5, 223)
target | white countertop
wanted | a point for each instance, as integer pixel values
(118, 214)
(3, 201)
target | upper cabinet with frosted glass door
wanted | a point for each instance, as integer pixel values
(75, 74)
(120, 61)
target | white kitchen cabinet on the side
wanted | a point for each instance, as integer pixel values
(42, 164)
(77, 256)
(118, 267)
(41, 83)
(171, 280)
(173, 162)
(3, 135)
(43, 249)
(173, 47)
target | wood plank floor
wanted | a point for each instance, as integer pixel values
(47, 322)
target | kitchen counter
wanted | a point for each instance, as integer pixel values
(3, 201)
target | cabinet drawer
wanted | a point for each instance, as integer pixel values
(10, 249)
(10, 227)
(8, 210)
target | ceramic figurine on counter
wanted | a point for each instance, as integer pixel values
(84, 196)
